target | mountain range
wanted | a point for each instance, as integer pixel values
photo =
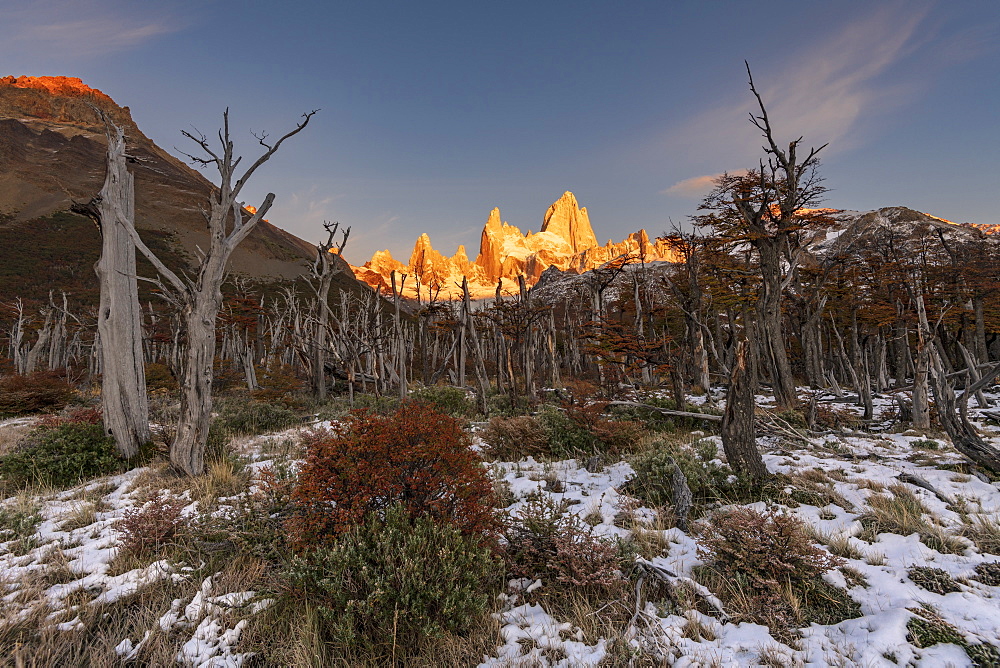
(566, 241)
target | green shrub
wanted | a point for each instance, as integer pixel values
(570, 432)
(932, 579)
(34, 393)
(17, 522)
(394, 580)
(656, 421)
(61, 456)
(926, 444)
(254, 417)
(654, 470)
(988, 573)
(452, 401)
(929, 629)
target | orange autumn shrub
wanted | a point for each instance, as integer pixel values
(417, 457)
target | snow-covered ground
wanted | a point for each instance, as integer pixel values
(207, 622)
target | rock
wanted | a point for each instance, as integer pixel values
(566, 242)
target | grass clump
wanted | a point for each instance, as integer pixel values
(393, 581)
(19, 520)
(902, 513)
(932, 579)
(985, 533)
(926, 628)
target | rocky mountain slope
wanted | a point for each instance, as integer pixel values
(52, 152)
(566, 241)
(908, 230)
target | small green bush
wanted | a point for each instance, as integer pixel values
(654, 470)
(394, 580)
(445, 399)
(254, 417)
(656, 421)
(932, 579)
(61, 456)
(926, 444)
(929, 629)
(18, 522)
(988, 573)
(569, 432)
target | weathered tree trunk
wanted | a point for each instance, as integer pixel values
(921, 404)
(772, 331)
(187, 453)
(963, 435)
(119, 321)
(123, 387)
(739, 431)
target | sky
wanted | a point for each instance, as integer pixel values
(432, 113)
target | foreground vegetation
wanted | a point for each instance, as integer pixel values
(419, 534)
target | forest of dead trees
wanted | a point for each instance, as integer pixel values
(871, 319)
(755, 304)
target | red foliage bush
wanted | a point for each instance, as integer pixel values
(417, 457)
(149, 527)
(34, 393)
(74, 416)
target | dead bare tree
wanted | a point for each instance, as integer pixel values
(324, 269)
(119, 321)
(199, 298)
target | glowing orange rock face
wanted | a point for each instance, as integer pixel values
(565, 241)
(62, 86)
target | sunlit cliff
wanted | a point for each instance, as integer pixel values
(566, 241)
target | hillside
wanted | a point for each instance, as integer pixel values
(52, 152)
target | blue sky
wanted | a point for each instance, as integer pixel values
(434, 112)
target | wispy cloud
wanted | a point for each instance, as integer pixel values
(83, 28)
(832, 86)
(697, 186)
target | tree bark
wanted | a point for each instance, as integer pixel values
(739, 431)
(119, 322)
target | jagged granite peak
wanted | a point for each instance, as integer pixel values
(566, 242)
(566, 219)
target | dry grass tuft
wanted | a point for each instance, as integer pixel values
(984, 532)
